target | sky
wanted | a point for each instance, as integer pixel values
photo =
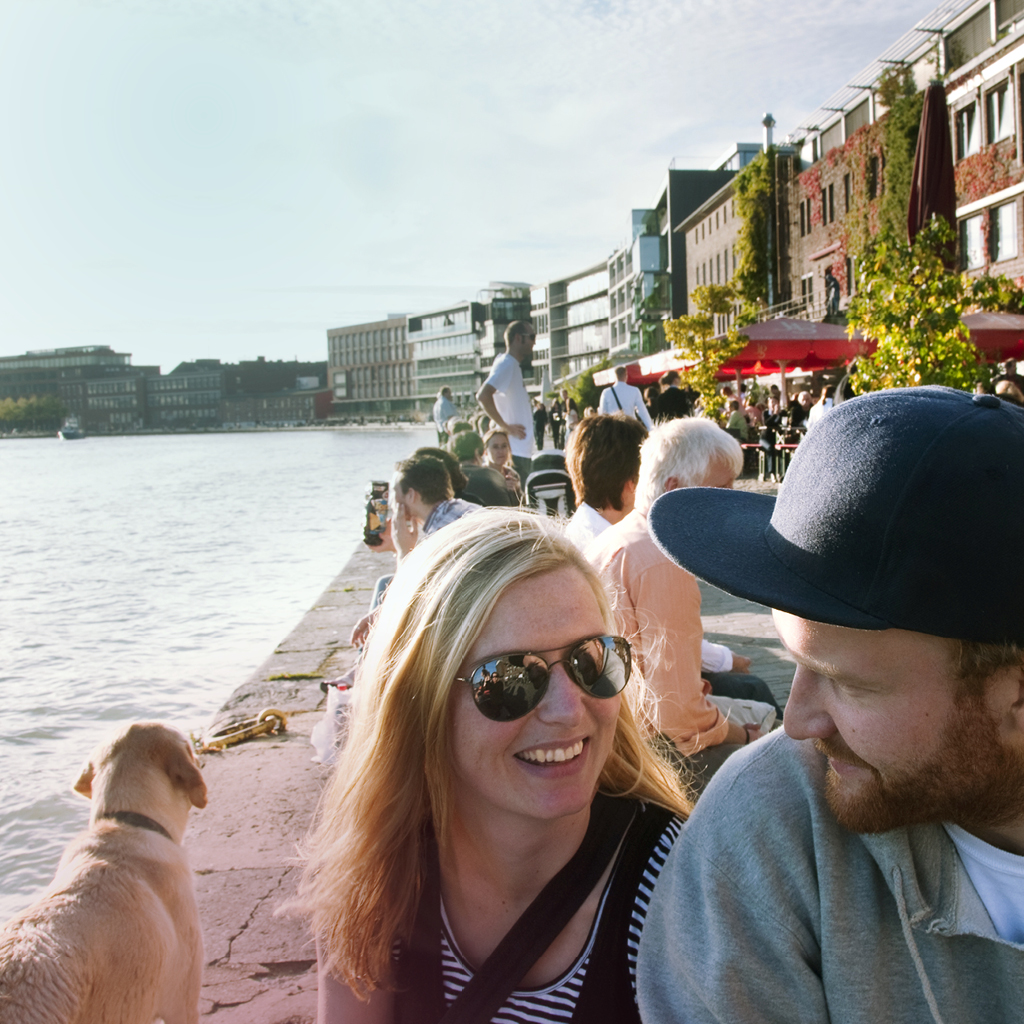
(184, 179)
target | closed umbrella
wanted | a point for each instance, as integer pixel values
(933, 188)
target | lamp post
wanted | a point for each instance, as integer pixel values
(769, 123)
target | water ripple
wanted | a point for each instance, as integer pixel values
(147, 577)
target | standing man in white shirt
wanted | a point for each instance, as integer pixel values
(623, 397)
(504, 396)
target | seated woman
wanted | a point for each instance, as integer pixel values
(496, 820)
(498, 455)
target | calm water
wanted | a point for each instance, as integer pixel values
(147, 577)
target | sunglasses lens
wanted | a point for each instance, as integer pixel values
(512, 686)
(601, 665)
(509, 687)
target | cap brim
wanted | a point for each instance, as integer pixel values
(722, 536)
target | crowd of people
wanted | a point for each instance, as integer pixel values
(557, 801)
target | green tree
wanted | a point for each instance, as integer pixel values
(911, 306)
(583, 390)
(36, 413)
(692, 338)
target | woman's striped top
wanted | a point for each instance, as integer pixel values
(555, 1002)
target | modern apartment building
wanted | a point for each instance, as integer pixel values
(445, 346)
(370, 368)
(571, 318)
(621, 287)
(455, 346)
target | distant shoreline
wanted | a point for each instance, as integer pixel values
(368, 425)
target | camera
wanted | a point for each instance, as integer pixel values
(376, 512)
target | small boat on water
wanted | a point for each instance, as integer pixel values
(71, 431)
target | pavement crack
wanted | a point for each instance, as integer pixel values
(252, 914)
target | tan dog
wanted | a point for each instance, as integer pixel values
(116, 939)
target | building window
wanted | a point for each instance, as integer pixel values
(718, 269)
(972, 251)
(803, 221)
(874, 183)
(807, 288)
(968, 131)
(846, 192)
(1000, 113)
(831, 204)
(1003, 232)
(824, 207)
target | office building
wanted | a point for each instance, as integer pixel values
(370, 368)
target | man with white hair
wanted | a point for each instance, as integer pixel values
(658, 604)
(624, 398)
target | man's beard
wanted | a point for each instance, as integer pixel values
(975, 781)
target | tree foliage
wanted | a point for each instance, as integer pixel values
(36, 413)
(692, 338)
(583, 390)
(911, 306)
(902, 126)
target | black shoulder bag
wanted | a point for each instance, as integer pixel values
(420, 995)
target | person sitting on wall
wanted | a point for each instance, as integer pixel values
(498, 455)
(603, 460)
(484, 485)
(658, 604)
(451, 463)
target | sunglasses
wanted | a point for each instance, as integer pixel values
(512, 685)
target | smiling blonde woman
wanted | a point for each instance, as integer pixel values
(494, 753)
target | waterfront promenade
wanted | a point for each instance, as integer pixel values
(260, 965)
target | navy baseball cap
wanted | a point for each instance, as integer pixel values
(901, 509)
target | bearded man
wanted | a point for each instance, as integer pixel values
(868, 864)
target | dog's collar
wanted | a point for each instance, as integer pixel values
(139, 820)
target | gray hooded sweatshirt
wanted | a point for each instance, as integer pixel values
(768, 910)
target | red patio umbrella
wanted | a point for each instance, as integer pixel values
(933, 188)
(999, 335)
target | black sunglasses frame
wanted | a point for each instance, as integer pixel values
(503, 707)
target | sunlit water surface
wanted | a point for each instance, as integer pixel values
(147, 577)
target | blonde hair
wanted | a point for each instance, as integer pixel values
(364, 859)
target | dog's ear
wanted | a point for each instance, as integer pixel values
(184, 772)
(84, 783)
